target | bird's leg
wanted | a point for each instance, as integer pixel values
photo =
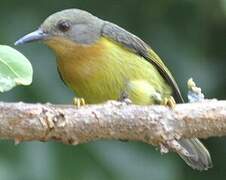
(78, 102)
(170, 102)
(124, 97)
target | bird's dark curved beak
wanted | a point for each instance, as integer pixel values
(37, 35)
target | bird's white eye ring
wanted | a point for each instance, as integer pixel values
(64, 26)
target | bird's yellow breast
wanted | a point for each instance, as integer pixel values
(101, 71)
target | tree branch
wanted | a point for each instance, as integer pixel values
(157, 125)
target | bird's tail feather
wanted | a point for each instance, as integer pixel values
(199, 156)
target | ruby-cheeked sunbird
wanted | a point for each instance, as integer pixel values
(101, 61)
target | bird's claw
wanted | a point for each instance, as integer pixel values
(78, 102)
(170, 102)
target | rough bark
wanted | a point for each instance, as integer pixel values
(157, 125)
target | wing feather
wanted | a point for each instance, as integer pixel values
(136, 45)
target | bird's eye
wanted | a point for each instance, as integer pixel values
(64, 26)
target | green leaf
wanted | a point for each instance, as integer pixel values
(15, 69)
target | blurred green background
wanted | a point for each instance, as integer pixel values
(189, 35)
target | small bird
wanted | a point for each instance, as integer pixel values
(101, 61)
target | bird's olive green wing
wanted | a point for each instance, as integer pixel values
(136, 45)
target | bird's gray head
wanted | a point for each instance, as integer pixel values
(72, 25)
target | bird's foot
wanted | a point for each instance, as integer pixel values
(125, 98)
(78, 102)
(170, 102)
